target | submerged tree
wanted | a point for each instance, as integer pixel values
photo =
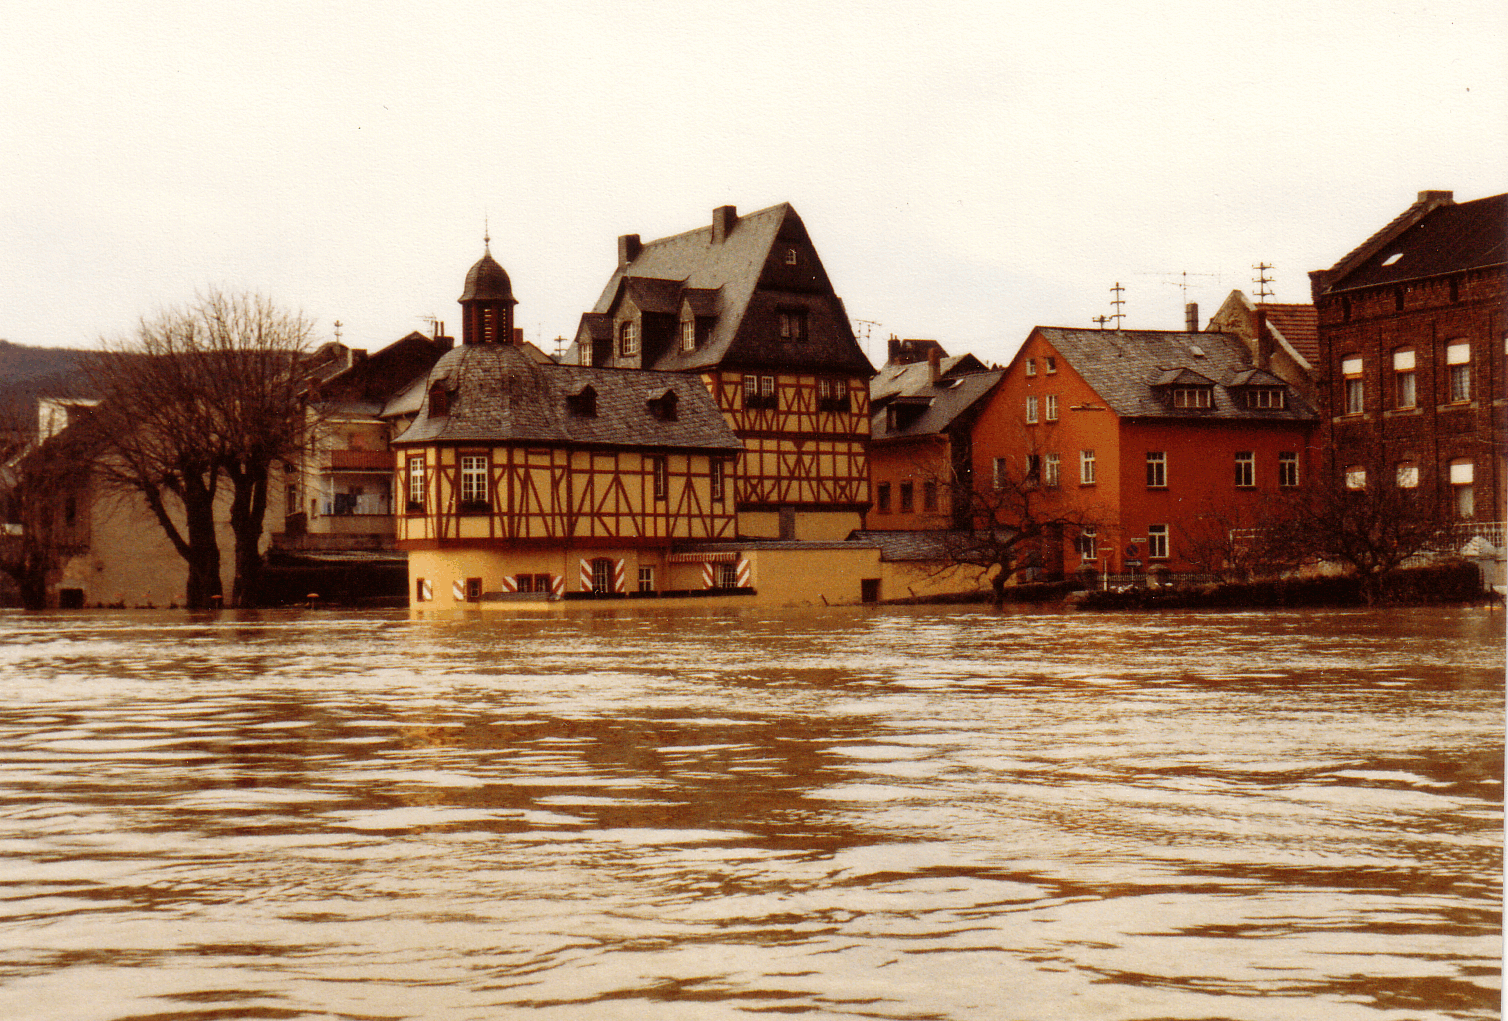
(199, 398)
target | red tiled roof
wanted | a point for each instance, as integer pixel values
(1299, 325)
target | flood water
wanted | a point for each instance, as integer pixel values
(862, 813)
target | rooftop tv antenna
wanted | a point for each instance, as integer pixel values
(338, 325)
(1262, 280)
(868, 324)
(1100, 321)
(1116, 303)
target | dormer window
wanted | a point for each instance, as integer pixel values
(439, 401)
(688, 334)
(1191, 397)
(663, 407)
(793, 325)
(628, 339)
(1267, 397)
(584, 403)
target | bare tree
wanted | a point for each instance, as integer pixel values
(1365, 521)
(1240, 540)
(201, 396)
(1016, 520)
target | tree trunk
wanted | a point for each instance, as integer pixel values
(248, 509)
(203, 552)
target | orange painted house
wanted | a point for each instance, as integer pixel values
(1149, 437)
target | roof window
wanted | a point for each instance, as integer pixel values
(1392, 258)
(663, 406)
(583, 403)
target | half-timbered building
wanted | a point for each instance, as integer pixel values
(522, 476)
(744, 305)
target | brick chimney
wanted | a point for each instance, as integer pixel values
(893, 350)
(628, 249)
(934, 364)
(1191, 317)
(518, 336)
(1263, 353)
(723, 220)
(1443, 198)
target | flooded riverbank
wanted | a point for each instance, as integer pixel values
(862, 813)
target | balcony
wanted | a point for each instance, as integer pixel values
(361, 461)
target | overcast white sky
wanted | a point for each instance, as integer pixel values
(967, 170)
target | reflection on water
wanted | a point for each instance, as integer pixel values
(847, 814)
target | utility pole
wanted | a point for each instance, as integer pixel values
(1262, 280)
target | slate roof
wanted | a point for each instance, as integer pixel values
(502, 393)
(1123, 366)
(947, 399)
(1433, 237)
(733, 268)
(926, 544)
(893, 379)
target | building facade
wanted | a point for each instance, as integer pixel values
(745, 305)
(1154, 445)
(521, 476)
(1411, 357)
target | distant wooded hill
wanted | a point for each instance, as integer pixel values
(30, 372)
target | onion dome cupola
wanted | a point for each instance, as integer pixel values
(487, 303)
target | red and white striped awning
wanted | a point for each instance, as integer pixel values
(702, 558)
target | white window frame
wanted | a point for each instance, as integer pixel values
(1407, 475)
(1052, 470)
(646, 578)
(1049, 365)
(688, 334)
(1246, 469)
(1031, 366)
(628, 339)
(1288, 469)
(1157, 542)
(416, 480)
(1050, 412)
(1405, 383)
(1002, 472)
(659, 468)
(1088, 544)
(1031, 410)
(473, 478)
(717, 470)
(1356, 477)
(1086, 467)
(1157, 469)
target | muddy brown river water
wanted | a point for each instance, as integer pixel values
(860, 813)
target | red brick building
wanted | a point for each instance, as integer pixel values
(1411, 356)
(1149, 437)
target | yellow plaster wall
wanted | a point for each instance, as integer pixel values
(811, 577)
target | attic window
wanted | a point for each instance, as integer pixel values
(663, 407)
(1196, 350)
(1266, 397)
(793, 325)
(790, 256)
(583, 403)
(1050, 365)
(439, 401)
(1392, 258)
(1191, 397)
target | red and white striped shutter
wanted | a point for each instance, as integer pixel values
(458, 589)
(709, 575)
(510, 583)
(586, 576)
(429, 591)
(557, 585)
(620, 582)
(743, 573)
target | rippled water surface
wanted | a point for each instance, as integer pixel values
(838, 814)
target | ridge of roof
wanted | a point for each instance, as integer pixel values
(1449, 237)
(1122, 366)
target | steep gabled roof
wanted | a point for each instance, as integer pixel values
(1433, 237)
(1123, 367)
(502, 393)
(734, 266)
